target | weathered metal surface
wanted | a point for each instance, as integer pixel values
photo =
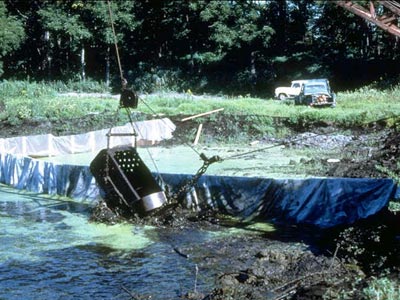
(387, 20)
(126, 181)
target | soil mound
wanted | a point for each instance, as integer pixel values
(380, 162)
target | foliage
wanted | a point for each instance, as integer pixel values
(394, 206)
(11, 33)
(85, 86)
(63, 22)
(382, 288)
(29, 90)
(231, 47)
(25, 89)
(25, 101)
(395, 175)
(353, 109)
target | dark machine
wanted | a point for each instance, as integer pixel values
(127, 184)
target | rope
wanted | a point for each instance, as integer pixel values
(235, 156)
(123, 80)
(168, 125)
(152, 159)
(124, 83)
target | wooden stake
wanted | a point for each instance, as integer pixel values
(196, 140)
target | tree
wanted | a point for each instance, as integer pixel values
(69, 39)
(353, 50)
(11, 33)
(96, 17)
(240, 45)
(239, 35)
(65, 34)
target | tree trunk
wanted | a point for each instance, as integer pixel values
(83, 64)
(47, 62)
(253, 69)
(108, 67)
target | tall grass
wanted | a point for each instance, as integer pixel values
(357, 108)
(23, 100)
(34, 101)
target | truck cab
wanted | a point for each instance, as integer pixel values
(283, 93)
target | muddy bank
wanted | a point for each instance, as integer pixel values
(357, 152)
(373, 155)
(257, 260)
(259, 268)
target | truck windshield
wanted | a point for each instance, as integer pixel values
(315, 88)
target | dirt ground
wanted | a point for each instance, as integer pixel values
(373, 154)
(327, 264)
(292, 262)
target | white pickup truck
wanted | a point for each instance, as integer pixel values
(283, 93)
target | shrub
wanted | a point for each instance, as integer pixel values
(382, 289)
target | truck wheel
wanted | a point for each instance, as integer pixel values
(282, 97)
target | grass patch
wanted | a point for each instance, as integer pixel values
(353, 109)
(23, 101)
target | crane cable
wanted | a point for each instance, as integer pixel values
(124, 83)
(206, 161)
(123, 80)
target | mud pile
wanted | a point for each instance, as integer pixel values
(381, 161)
(292, 262)
(258, 268)
(372, 154)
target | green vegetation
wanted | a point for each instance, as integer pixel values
(27, 101)
(39, 102)
(11, 33)
(353, 109)
(207, 46)
(383, 289)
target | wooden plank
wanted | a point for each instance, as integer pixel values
(202, 114)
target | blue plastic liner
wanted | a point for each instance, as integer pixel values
(324, 202)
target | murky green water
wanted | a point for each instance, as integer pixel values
(272, 163)
(49, 250)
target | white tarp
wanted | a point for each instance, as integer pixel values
(150, 131)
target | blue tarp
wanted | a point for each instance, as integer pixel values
(324, 202)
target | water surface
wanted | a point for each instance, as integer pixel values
(237, 160)
(49, 250)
